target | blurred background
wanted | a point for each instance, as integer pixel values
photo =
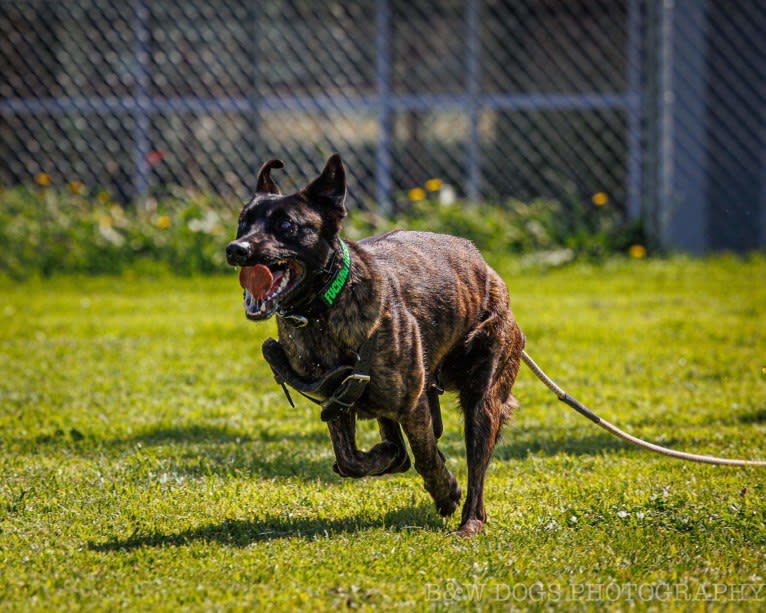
(653, 109)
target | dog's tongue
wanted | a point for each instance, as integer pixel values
(256, 279)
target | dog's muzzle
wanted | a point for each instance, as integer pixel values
(237, 253)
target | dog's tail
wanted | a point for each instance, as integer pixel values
(612, 429)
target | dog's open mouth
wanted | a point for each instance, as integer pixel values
(266, 286)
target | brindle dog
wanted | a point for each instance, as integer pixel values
(436, 311)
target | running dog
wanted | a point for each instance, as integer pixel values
(376, 329)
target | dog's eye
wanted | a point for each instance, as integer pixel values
(286, 227)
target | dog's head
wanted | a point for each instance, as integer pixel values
(285, 243)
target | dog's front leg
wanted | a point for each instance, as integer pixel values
(429, 461)
(387, 456)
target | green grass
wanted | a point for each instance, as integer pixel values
(148, 462)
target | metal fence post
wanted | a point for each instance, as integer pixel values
(763, 178)
(665, 118)
(683, 197)
(383, 182)
(141, 102)
(634, 109)
(254, 110)
(472, 92)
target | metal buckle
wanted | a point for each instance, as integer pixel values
(337, 397)
(356, 377)
(299, 321)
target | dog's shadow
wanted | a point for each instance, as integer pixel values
(199, 450)
(202, 449)
(521, 443)
(243, 532)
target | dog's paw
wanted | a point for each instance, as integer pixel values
(388, 458)
(448, 506)
(383, 458)
(401, 464)
(351, 471)
(470, 527)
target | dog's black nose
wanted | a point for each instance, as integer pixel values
(237, 253)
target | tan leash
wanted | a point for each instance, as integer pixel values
(612, 429)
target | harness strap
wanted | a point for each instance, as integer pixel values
(436, 413)
(336, 392)
(434, 391)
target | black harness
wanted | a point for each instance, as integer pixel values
(338, 391)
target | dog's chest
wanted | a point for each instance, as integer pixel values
(311, 353)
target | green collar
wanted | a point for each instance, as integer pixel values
(328, 294)
(338, 282)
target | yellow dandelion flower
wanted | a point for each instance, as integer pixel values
(76, 187)
(164, 222)
(416, 194)
(637, 251)
(433, 185)
(43, 179)
(600, 198)
(105, 222)
(103, 197)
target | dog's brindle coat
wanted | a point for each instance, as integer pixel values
(434, 306)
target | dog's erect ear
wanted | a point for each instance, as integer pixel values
(265, 184)
(328, 190)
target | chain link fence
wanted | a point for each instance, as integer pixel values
(659, 105)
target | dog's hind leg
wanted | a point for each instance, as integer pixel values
(388, 456)
(485, 395)
(483, 418)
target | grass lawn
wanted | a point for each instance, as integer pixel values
(149, 462)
